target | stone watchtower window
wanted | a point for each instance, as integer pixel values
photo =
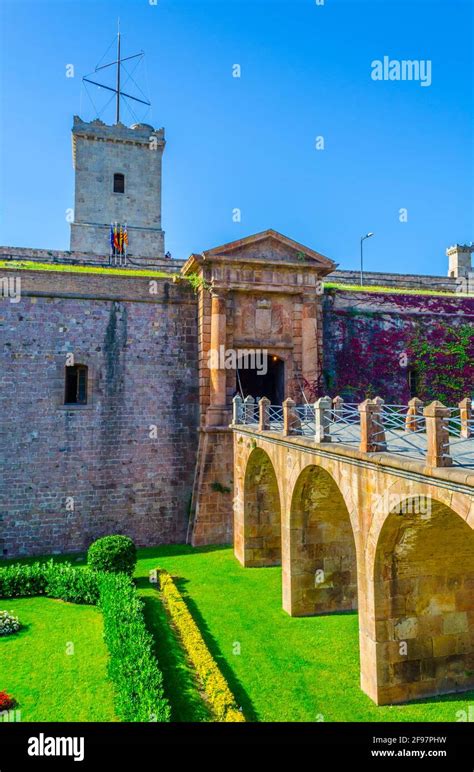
(119, 183)
(75, 391)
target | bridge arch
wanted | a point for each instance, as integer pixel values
(319, 552)
(420, 623)
(261, 512)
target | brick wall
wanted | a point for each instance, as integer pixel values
(141, 351)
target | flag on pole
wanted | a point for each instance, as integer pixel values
(116, 237)
(111, 237)
(121, 240)
(125, 237)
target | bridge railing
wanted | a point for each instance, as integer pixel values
(440, 435)
(345, 422)
(460, 426)
(400, 428)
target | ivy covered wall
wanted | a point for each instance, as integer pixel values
(398, 346)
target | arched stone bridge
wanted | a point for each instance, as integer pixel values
(389, 536)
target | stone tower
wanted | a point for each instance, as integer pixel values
(118, 172)
(460, 267)
(459, 260)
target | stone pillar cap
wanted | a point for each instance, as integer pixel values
(327, 401)
(366, 406)
(436, 408)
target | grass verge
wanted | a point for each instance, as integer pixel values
(329, 285)
(56, 666)
(32, 265)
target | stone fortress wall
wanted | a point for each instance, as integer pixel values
(122, 463)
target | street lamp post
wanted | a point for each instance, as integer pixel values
(363, 238)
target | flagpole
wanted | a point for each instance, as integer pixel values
(118, 73)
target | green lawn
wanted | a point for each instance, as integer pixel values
(35, 668)
(289, 669)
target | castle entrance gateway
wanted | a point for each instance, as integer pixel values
(259, 294)
(264, 379)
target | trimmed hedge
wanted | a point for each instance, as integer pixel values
(115, 554)
(56, 580)
(221, 699)
(132, 666)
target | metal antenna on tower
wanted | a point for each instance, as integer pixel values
(118, 90)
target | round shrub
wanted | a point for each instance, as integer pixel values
(114, 554)
(8, 623)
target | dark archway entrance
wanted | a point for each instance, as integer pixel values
(256, 383)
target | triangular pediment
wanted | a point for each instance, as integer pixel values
(270, 246)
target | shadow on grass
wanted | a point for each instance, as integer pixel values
(241, 696)
(178, 679)
(175, 550)
(235, 686)
(144, 553)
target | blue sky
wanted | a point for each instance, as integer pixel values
(249, 142)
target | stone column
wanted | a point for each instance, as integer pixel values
(465, 411)
(237, 409)
(368, 429)
(217, 410)
(415, 409)
(322, 415)
(338, 409)
(291, 422)
(263, 415)
(309, 339)
(437, 435)
(379, 433)
(249, 410)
